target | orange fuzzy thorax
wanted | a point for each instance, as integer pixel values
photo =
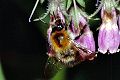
(60, 41)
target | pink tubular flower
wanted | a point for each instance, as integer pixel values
(84, 41)
(108, 38)
(79, 30)
(85, 38)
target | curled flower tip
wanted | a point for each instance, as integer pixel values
(108, 38)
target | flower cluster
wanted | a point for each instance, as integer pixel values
(69, 32)
(109, 34)
(70, 36)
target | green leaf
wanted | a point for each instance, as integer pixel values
(1, 73)
(61, 75)
(81, 2)
(69, 2)
(52, 68)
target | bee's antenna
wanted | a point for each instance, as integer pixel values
(33, 10)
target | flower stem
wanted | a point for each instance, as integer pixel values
(33, 10)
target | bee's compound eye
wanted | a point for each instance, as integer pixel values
(59, 27)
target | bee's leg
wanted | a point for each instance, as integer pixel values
(50, 52)
(33, 10)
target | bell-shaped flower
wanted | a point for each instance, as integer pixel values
(80, 33)
(108, 38)
(86, 40)
(79, 29)
(85, 37)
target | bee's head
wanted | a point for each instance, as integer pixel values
(58, 26)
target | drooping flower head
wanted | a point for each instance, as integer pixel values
(80, 33)
(79, 29)
(84, 40)
(108, 38)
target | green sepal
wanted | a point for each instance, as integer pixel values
(75, 13)
(81, 2)
(118, 8)
(52, 67)
(69, 2)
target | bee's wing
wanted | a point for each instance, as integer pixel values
(52, 67)
(86, 54)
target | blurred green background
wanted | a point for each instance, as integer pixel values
(23, 46)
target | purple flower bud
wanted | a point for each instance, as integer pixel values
(108, 38)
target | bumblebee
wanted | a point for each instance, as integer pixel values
(62, 47)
